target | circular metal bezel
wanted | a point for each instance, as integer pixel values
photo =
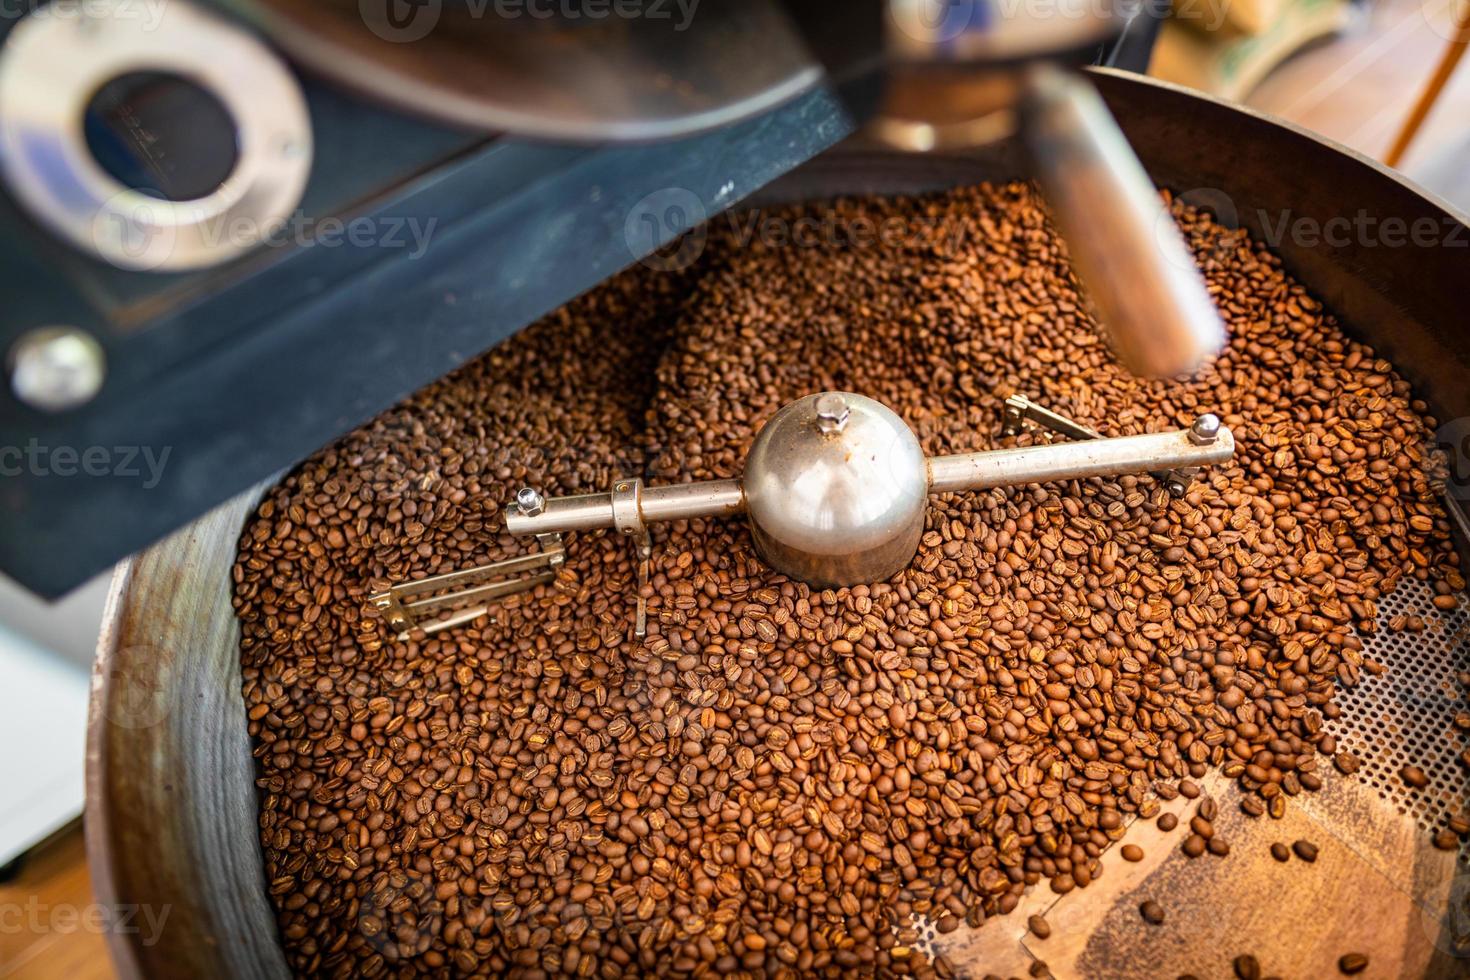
(56, 60)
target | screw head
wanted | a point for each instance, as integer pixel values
(57, 368)
(832, 411)
(1205, 430)
(530, 501)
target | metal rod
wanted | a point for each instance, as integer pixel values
(1019, 407)
(1128, 252)
(473, 576)
(678, 501)
(1078, 460)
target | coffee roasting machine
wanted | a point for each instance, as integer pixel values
(213, 204)
(237, 229)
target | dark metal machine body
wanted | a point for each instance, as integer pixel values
(155, 371)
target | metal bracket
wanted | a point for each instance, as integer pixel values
(467, 594)
(628, 519)
(1019, 410)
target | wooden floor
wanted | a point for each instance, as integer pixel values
(49, 926)
(1355, 89)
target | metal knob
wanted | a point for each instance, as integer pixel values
(832, 412)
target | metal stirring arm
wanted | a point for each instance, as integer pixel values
(1019, 409)
(629, 507)
(1205, 443)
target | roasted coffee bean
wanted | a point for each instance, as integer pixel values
(1305, 850)
(1246, 967)
(1351, 963)
(1168, 821)
(1280, 852)
(1152, 912)
(1447, 840)
(1206, 809)
(1218, 846)
(1038, 926)
(1414, 776)
(1202, 827)
(1132, 852)
(1194, 845)
(776, 777)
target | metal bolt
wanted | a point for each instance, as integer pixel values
(1205, 430)
(832, 412)
(56, 368)
(530, 501)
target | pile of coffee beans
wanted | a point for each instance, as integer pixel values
(776, 778)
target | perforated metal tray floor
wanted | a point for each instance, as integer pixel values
(1402, 716)
(1405, 716)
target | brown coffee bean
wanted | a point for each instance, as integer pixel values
(1305, 850)
(1194, 845)
(1219, 846)
(1132, 852)
(1152, 912)
(1280, 852)
(776, 777)
(1447, 840)
(1038, 926)
(1246, 967)
(1351, 963)
(1414, 776)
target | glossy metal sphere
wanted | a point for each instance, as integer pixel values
(835, 490)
